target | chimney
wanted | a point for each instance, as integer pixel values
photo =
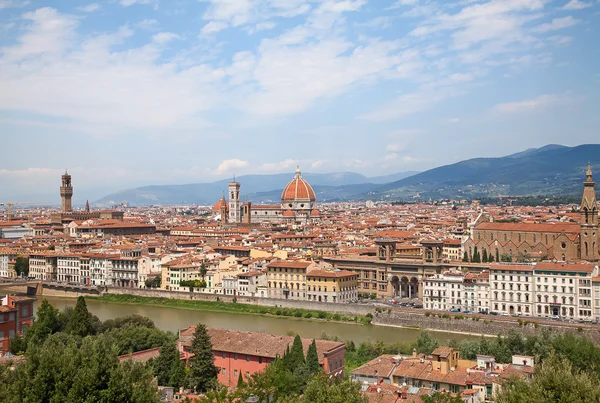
(414, 353)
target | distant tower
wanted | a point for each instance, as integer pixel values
(66, 192)
(223, 210)
(589, 219)
(247, 209)
(87, 206)
(234, 202)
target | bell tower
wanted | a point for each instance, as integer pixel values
(234, 202)
(589, 219)
(66, 193)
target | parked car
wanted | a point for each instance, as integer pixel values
(493, 313)
(587, 319)
(418, 306)
(455, 310)
(466, 311)
(504, 314)
(554, 317)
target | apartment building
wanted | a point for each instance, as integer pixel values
(125, 271)
(16, 316)
(444, 291)
(250, 282)
(4, 259)
(43, 266)
(332, 286)
(287, 280)
(68, 268)
(564, 289)
(100, 267)
(476, 287)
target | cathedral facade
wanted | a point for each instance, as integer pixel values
(298, 205)
(559, 241)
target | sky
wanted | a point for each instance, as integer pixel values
(127, 93)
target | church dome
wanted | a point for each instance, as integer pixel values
(220, 203)
(289, 213)
(298, 190)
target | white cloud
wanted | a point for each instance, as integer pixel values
(317, 164)
(147, 24)
(556, 24)
(278, 166)
(452, 120)
(127, 3)
(89, 8)
(576, 5)
(236, 12)
(13, 4)
(395, 147)
(406, 105)
(164, 37)
(541, 102)
(213, 27)
(390, 157)
(228, 166)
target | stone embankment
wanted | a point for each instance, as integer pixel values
(347, 309)
(479, 324)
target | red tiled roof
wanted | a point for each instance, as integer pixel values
(521, 227)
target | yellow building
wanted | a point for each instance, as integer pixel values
(332, 286)
(287, 280)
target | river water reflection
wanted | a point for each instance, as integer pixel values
(169, 318)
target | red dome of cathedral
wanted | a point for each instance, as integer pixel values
(298, 189)
(220, 203)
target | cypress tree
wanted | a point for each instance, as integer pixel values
(169, 370)
(202, 372)
(484, 256)
(476, 257)
(295, 357)
(497, 255)
(312, 358)
(80, 320)
(465, 257)
(240, 383)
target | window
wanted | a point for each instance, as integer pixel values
(247, 358)
(260, 360)
(224, 372)
(235, 373)
(235, 356)
(222, 354)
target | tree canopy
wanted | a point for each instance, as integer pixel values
(202, 370)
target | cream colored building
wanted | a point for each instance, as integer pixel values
(332, 286)
(287, 280)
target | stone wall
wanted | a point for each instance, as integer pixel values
(351, 309)
(485, 325)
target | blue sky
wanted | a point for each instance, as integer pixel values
(127, 93)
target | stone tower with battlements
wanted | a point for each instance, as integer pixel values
(66, 193)
(589, 220)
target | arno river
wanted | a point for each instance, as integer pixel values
(176, 318)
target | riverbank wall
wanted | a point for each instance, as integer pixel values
(343, 309)
(475, 325)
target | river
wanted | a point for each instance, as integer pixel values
(169, 318)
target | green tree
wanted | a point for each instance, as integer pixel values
(476, 256)
(323, 390)
(440, 397)
(497, 255)
(240, 382)
(22, 266)
(153, 282)
(484, 255)
(203, 271)
(556, 380)
(168, 368)
(47, 322)
(312, 358)
(295, 357)
(425, 343)
(80, 320)
(465, 257)
(202, 370)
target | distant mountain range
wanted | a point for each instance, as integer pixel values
(549, 170)
(256, 188)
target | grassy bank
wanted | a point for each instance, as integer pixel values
(219, 306)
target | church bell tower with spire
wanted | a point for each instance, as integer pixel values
(589, 220)
(66, 193)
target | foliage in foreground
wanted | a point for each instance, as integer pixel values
(66, 368)
(555, 381)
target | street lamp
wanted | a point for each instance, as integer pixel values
(252, 399)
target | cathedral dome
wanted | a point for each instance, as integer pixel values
(220, 203)
(298, 191)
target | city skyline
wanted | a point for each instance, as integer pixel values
(132, 93)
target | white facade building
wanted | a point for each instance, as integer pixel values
(43, 266)
(444, 291)
(68, 268)
(4, 258)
